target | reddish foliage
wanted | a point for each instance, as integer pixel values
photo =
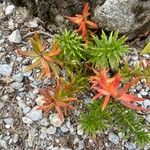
(56, 99)
(82, 21)
(110, 88)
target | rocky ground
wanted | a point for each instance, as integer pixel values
(22, 126)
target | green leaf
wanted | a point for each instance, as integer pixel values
(146, 50)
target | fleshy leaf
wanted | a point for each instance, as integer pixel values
(146, 49)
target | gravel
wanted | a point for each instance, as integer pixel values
(27, 120)
(18, 77)
(113, 138)
(35, 114)
(55, 120)
(9, 10)
(51, 130)
(21, 124)
(15, 37)
(5, 69)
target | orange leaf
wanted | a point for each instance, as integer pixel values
(27, 53)
(46, 67)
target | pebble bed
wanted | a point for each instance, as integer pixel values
(22, 126)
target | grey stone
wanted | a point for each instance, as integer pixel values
(130, 146)
(9, 10)
(148, 118)
(2, 41)
(44, 122)
(27, 120)
(55, 120)
(64, 128)
(87, 100)
(127, 16)
(146, 103)
(26, 109)
(32, 24)
(39, 101)
(3, 144)
(1, 105)
(15, 138)
(51, 130)
(18, 77)
(35, 114)
(15, 37)
(5, 69)
(11, 24)
(17, 85)
(113, 138)
(31, 138)
(43, 134)
(79, 129)
(9, 121)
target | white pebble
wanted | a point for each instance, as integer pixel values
(15, 37)
(9, 10)
(55, 120)
(113, 138)
(27, 120)
(35, 114)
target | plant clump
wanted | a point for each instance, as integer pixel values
(46, 60)
(107, 51)
(77, 55)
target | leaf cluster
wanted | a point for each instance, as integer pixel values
(57, 98)
(72, 48)
(107, 51)
(95, 120)
(124, 120)
(131, 124)
(45, 60)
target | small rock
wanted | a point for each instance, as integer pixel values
(134, 57)
(35, 114)
(11, 24)
(18, 77)
(79, 129)
(31, 137)
(146, 103)
(15, 37)
(81, 145)
(87, 100)
(1, 105)
(55, 120)
(21, 104)
(27, 73)
(27, 120)
(148, 118)
(130, 146)
(33, 24)
(51, 130)
(64, 128)
(5, 69)
(43, 134)
(113, 138)
(15, 138)
(9, 10)
(26, 109)
(44, 122)
(70, 126)
(2, 41)
(9, 121)
(39, 101)
(139, 87)
(17, 85)
(7, 126)
(3, 144)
